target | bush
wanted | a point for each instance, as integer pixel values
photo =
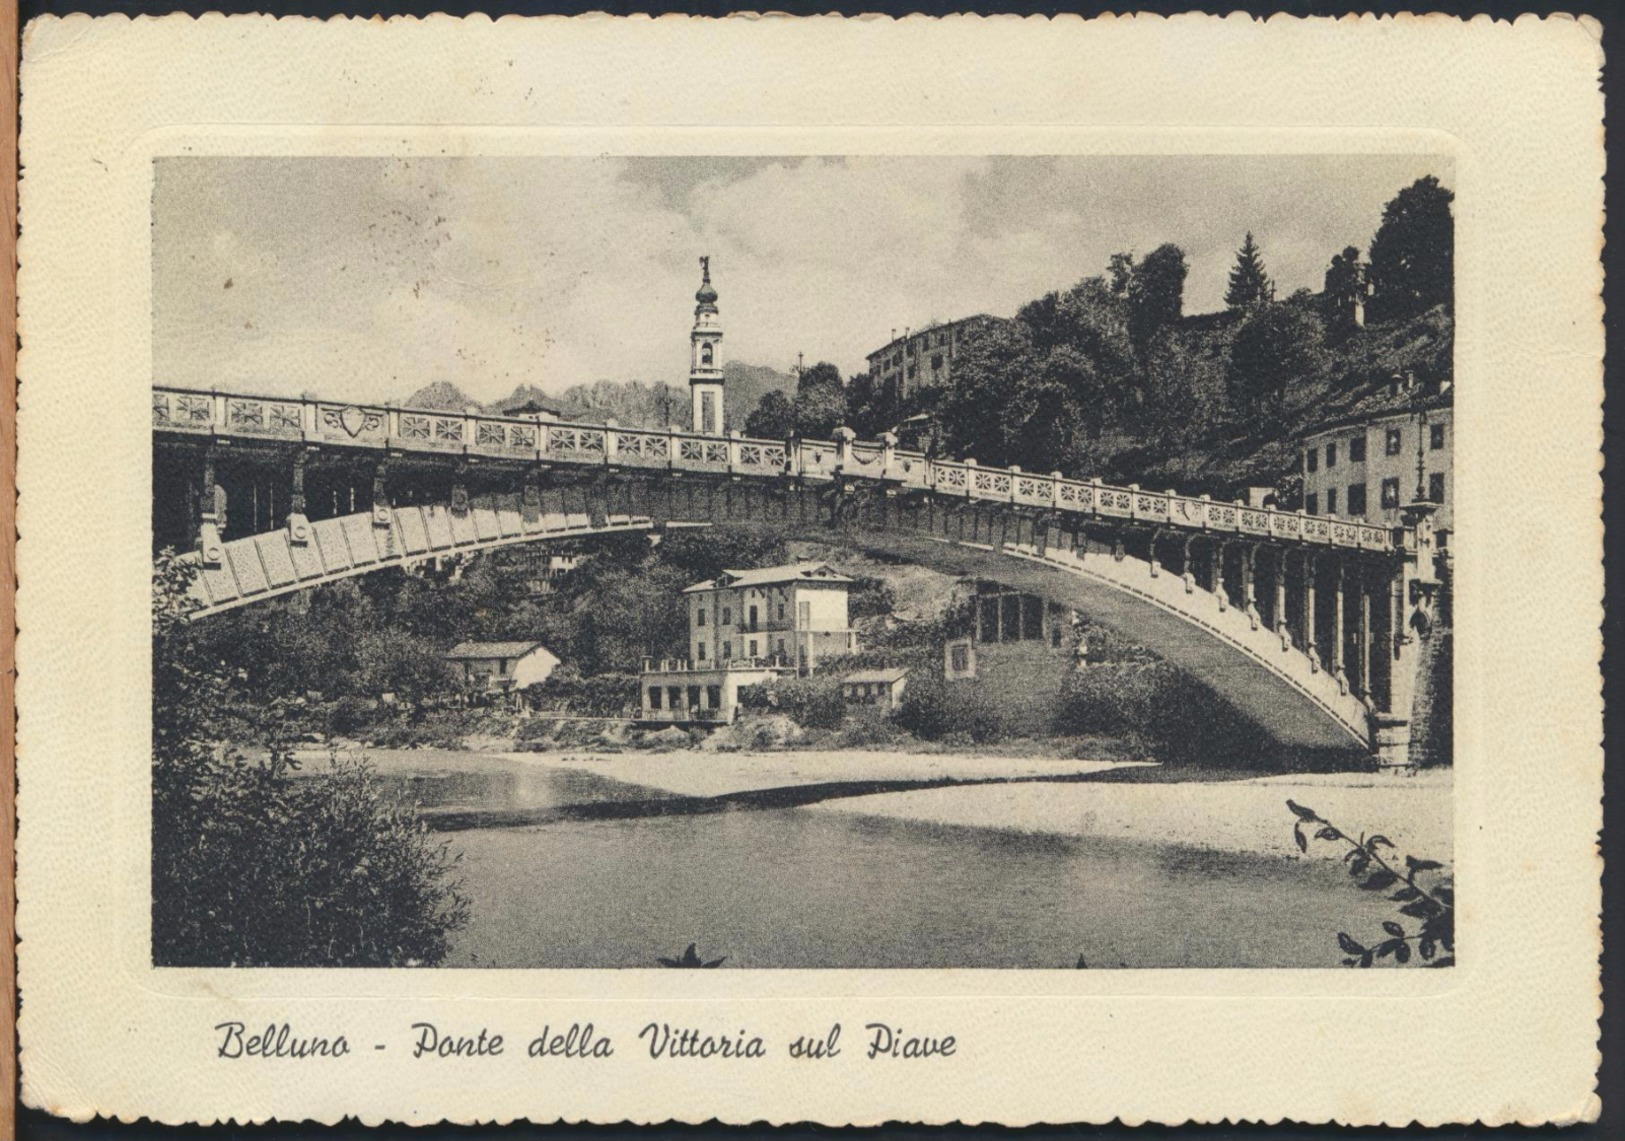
(1164, 708)
(253, 865)
(937, 710)
(811, 702)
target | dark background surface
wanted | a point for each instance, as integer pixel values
(34, 1124)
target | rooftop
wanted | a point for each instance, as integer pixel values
(771, 576)
(481, 651)
(1395, 396)
(896, 673)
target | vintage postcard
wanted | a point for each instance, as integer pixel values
(570, 571)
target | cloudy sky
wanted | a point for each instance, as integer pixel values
(367, 278)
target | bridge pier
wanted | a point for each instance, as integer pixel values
(298, 523)
(211, 513)
(1310, 616)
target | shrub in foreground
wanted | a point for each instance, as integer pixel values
(254, 864)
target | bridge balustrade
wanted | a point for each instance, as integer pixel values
(384, 427)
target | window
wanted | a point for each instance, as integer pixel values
(753, 647)
(936, 362)
(1357, 449)
(1032, 617)
(990, 619)
(1395, 441)
(1356, 499)
(674, 697)
(705, 354)
(1331, 455)
(727, 615)
(1435, 436)
(1311, 503)
(693, 697)
(727, 651)
(1311, 459)
(781, 645)
(713, 696)
(700, 618)
(1010, 618)
(654, 697)
(753, 619)
(959, 657)
(781, 612)
(1436, 487)
(1390, 492)
(912, 369)
(1331, 501)
(699, 651)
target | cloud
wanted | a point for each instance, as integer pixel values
(367, 278)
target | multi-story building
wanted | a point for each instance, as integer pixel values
(1390, 447)
(745, 627)
(921, 358)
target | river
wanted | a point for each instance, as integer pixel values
(792, 887)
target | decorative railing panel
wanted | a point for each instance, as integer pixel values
(415, 429)
(643, 449)
(817, 459)
(1034, 490)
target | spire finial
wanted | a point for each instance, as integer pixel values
(707, 294)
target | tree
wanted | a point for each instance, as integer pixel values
(774, 417)
(820, 401)
(1278, 348)
(1250, 286)
(255, 866)
(1156, 292)
(1345, 290)
(1413, 252)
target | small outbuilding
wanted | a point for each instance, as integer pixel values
(882, 688)
(502, 667)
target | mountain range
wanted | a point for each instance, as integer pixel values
(629, 402)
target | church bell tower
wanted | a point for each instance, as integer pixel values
(705, 365)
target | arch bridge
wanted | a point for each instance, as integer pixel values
(1315, 626)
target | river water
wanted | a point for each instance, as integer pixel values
(794, 887)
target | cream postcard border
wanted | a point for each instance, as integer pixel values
(1509, 1035)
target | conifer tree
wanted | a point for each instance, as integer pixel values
(1250, 286)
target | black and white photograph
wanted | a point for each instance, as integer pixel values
(875, 561)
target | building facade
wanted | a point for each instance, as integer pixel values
(747, 627)
(500, 668)
(880, 691)
(1391, 448)
(921, 358)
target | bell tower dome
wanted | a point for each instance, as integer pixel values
(705, 363)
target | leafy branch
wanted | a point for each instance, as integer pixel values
(1432, 906)
(691, 960)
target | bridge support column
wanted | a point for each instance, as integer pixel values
(1413, 591)
(1151, 551)
(1339, 572)
(380, 497)
(298, 523)
(530, 498)
(1363, 665)
(211, 514)
(1185, 566)
(1283, 628)
(459, 491)
(1309, 615)
(1216, 555)
(1249, 588)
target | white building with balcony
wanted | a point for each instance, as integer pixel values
(747, 627)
